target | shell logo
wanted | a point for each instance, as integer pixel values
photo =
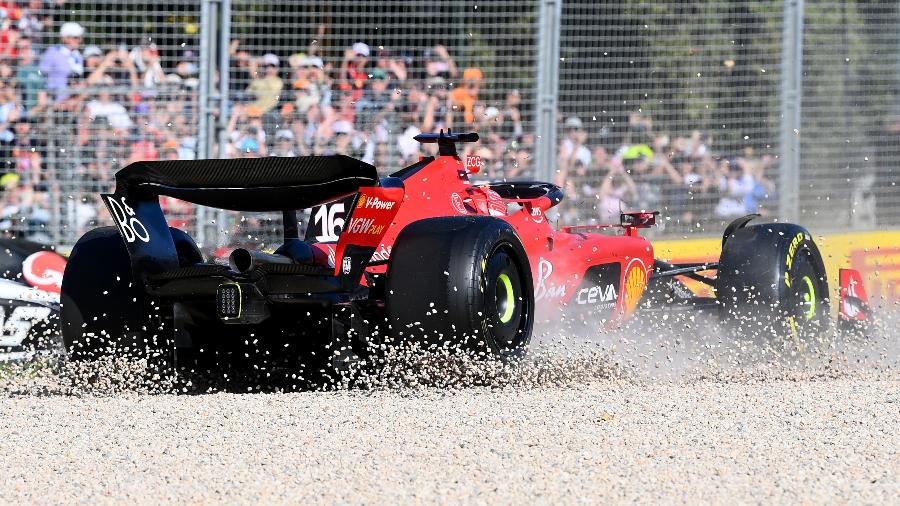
(361, 202)
(633, 284)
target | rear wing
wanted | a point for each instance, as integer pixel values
(249, 184)
(259, 184)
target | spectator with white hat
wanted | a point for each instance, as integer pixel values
(266, 89)
(572, 149)
(64, 60)
(284, 143)
(93, 56)
(353, 74)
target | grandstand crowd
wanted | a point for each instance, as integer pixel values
(73, 114)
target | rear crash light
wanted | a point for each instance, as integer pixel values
(241, 303)
(229, 301)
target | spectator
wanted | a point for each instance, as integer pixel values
(249, 148)
(371, 106)
(243, 71)
(309, 82)
(29, 81)
(266, 89)
(617, 193)
(9, 35)
(464, 98)
(513, 128)
(353, 72)
(116, 69)
(187, 68)
(64, 60)
(345, 138)
(763, 188)
(9, 113)
(25, 212)
(572, 149)
(147, 64)
(143, 149)
(652, 181)
(391, 64)
(490, 125)
(305, 95)
(32, 24)
(437, 109)
(736, 184)
(438, 63)
(243, 128)
(104, 106)
(641, 148)
(27, 155)
(284, 143)
(518, 164)
(93, 57)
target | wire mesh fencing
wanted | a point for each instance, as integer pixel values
(668, 105)
(88, 87)
(678, 106)
(363, 78)
(850, 124)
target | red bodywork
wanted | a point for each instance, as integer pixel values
(854, 301)
(601, 274)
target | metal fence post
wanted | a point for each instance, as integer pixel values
(203, 98)
(549, 16)
(224, 100)
(791, 98)
(224, 75)
(204, 109)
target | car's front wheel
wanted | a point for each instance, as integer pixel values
(772, 282)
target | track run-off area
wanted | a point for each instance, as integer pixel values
(642, 417)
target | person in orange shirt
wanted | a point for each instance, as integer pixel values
(464, 97)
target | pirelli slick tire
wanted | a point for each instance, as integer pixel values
(461, 282)
(104, 311)
(772, 282)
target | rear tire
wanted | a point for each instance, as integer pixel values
(772, 281)
(463, 282)
(104, 311)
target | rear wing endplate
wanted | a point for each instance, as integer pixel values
(144, 231)
(371, 214)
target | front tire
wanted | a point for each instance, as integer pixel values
(772, 281)
(463, 282)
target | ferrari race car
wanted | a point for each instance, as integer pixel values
(422, 255)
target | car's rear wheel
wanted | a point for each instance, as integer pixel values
(104, 311)
(462, 282)
(772, 282)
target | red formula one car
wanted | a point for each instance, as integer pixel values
(422, 255)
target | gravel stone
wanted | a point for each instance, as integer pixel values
(630, 417)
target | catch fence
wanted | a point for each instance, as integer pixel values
(703, 110)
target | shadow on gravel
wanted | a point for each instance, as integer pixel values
(563, 354)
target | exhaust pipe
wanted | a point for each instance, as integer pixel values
(243, 260)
